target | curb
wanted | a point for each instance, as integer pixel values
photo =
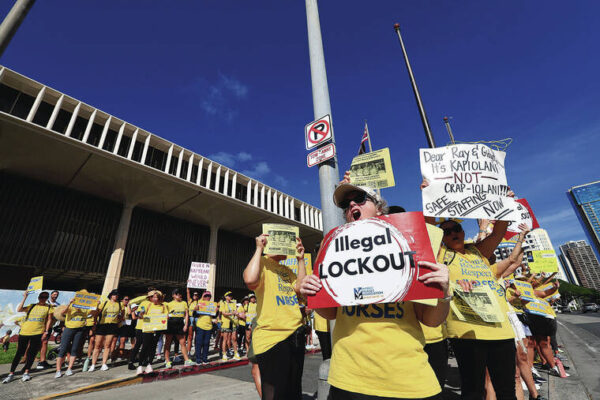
(110, 384)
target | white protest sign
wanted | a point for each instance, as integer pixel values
(466, 181)
(199, 274)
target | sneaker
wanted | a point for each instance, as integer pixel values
(69, 372)
(535, 372)
(131, 366)
(168, 364)
(539, 379)
(92, 368)
(554, 372)
(104, 367)
(224, 358)
(86, 365)
(140, 370)
(177, 359)
(58, 374)
(148, 369)
(8, 378)
(236, 356)
(523, 385)
(26, 377)
(537, 387)
(158, 357)
(189, 363)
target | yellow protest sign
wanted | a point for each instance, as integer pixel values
(155, 322)
(539, 307)
(525, 289)
(85, 300)
(207, 308)
(373, 169)
(477, 305)
(281, 240)
(542, 261)
(35, 285)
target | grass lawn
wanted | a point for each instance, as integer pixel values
(6, 358)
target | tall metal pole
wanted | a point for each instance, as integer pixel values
(449, 129)
(422, 113)
(328, 171)
(13, 20)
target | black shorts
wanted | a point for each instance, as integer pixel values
(127, 331)
(541, 326)
(107, 329)
(175, 326)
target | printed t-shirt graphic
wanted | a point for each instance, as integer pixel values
(474, 267)
(109, 313)
(35, 322)
(76, 318)
(143, 307)
(378, 351)
(250, 310)
(89, 321)
(278, 313)
(226, 307)
(241, 321)
(176, 309)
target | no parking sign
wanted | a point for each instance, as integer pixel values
(318, 132)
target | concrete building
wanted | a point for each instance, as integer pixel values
(580, 256)
(585, 199)
(90, 200)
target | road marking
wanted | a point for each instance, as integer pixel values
(573, 333)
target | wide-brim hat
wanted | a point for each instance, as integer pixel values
(342, 190)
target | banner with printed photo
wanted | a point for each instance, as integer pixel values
(542, 261)
(373, 169)
(375, 260)
(207, 308)
(466, 181)
(85, 300)
(523, 215)
(155, 322)
(281, 240)
(199, 275)
(477, 305)
(525, 289)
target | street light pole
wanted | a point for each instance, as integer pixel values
(422, 113)
(13, 20)
(449, 129)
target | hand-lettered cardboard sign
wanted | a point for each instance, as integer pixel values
(374, 261)
(523, 215)
(207, 308)
(155, 322)
(85, 300)
(466, 181)
(199, 275)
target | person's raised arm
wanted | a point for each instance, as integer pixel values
(514, 260)
(189, 298)
(301, 266)
(252, 271)
(64, 312)
(487, 246)
(20, 307)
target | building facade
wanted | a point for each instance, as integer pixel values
(581, 258)
(91, 201)
(585, 199)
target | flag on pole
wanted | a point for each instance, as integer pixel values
(363, 142)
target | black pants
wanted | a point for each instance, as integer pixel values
(438, 359)
(149, 341)
(339, 394)
(553, 341)
(241, 335)
(138, 343)
(474, 356)
(325, 342)
(281, 368)
(34, 343)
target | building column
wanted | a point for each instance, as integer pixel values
(113, 274)
(212, 257)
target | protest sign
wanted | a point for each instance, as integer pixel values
(373, 169)
(525, 289)
(466, 181)
(542, 261)
(281, 240)
(207, 308)
(553, 296)
(522, 215)
(545, 286)
(374, 261)
(35, 285)
(155, 322)
(199, 275)
(85, 300)
(477, 305)
(539, 307)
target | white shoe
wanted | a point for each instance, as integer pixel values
(104, 367)
(92, 368)
(523, 385)
(26, 377)
(69, 372)
(139, 371)
(537, 387)
(148, 369)
(8, 378)
(58, 374)
(535, 372)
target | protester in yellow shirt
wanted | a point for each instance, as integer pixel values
(278, 337)
(138, 305)
(150, 338)
(241, 329)
(203, 332)
(192, 302)
(250, 314)
(227, 309)
(75, 319)
(110, 313)
(378, 348)
(34, 327)
(177, 327)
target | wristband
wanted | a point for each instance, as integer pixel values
(446, 299)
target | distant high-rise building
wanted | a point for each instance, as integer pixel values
(582, 260)
(586, 202)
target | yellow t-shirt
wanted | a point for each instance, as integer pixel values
(250, 311)
(191, 306)
(89, 320)
(278, 313)
(110, 312)
(241, 321)
(321, 324)
(474, 267)
(75, 318)
(204, 322)
(35, 323)
(142, 307)
(434, 334)
(226, 321)
(176, 309)
(378, 351)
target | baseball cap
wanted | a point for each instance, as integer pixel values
(342, 190)
(227, 294)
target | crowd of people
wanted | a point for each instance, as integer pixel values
(401, 353)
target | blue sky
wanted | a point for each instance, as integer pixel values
(231, 81)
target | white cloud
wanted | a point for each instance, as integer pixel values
(243, 156)
(280, 180)
(259, 170)
(230, 159)
(219, 98)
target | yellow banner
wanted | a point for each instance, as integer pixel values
(525, 289)
(35, 285)
(85, 300)
(155, 322)
(542, 261)
(207, 308)
(281, 239)
(373, 169)
(540, 307)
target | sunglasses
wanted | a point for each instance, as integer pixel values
(454, 229)
(196, 295)
(359, 198)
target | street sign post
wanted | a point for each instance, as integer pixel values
(318, 132)
(320, 155)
